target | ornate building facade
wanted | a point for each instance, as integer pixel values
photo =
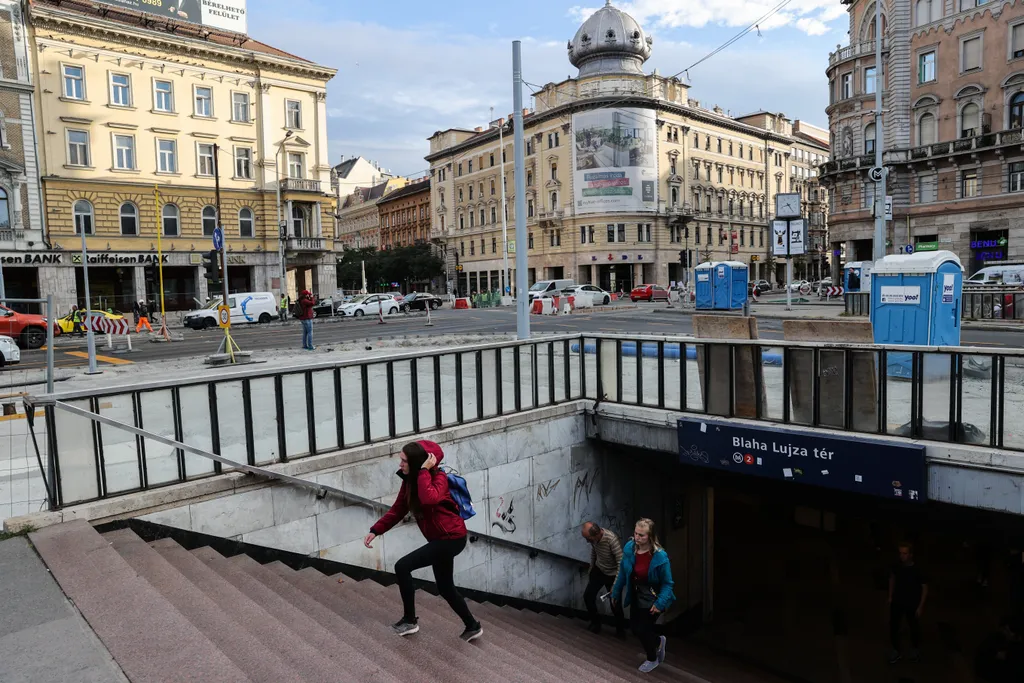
(953, 111)
(405, 216)
(130, 104)
(625, 174)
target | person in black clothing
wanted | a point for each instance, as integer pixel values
(908, 590)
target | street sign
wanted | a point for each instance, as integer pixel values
(833, 291)
(888, 207)
(926, 246)
(876, 174)
(103, 325)
(218, 238)
(511, 246)
(224, 316)
(909, 248)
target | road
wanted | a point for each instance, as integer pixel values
(644, 319)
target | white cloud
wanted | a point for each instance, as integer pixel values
(812, 27)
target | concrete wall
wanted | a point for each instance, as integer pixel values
(534, 483)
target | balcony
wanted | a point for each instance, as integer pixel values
(10, 235)
(299, 185)
(306, 244)
(864, 49)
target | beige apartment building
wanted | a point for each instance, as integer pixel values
(625, 174)
(953, 111)
(131, 104)
(358, 220)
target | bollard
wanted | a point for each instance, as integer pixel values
(380, 314)
(429, 322)
(110, 341)
(129, 338)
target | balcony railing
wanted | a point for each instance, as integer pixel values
(968, 145)
(858, 50)
(10, 234)
(300, 185)
(306, 244)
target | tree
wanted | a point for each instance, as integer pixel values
(402, 264)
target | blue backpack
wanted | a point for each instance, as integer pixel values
(460, 493)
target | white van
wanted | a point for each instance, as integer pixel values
(998, 275)
(246, 307)
(546, 288)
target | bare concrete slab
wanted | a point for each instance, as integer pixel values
(747, 365)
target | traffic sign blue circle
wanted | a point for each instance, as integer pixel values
(910, 248)
(218, 238)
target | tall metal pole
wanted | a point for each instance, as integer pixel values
(89, 337)
(504, 226)
(789, 270)
(160, 263)
(51, 318)
(280, 222)
(223, 246)
(878, 251)
(519, 171)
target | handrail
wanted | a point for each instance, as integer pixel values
(321, 490)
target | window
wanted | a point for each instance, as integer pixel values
(124, 152)
(494, 245)
(926, 130)
(709, 236)
(707, 143)
(552, 140)
(529, 147)
(74, 82)
(78, 148)
(719, 174)
(554, 171)
(675, 196)
(494, 214)
(492, 159)
(209, 220)
(970, 121)
(696, 141)
(869, 80)
(926, 67)
(243, 163)
(163, 96)
(529, 208)
(470, 166)
(471, 219)
(846, 86)
(869, 138)
(129, 219)
(296, 166)
(460, 169)
(554, 200)
(923, 13)
(462, 248)
(760, 236)
(555, 238)
(529, 178)
(204, 159)
(719, 145)
(293, 109)
(1017, 41)
(529, 241)
(970, 54)
(204, 101)
(969, 184)
(240, 107)
(82, 211)
(643, 232)
(167, 156)
(927, 188)
(492, 188)
(1017, 110)
(743, 232)
(482, 217)
(470, 193)
(120, 90)
(170, 218)
(245, 222)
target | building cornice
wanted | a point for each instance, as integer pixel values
(44, 17)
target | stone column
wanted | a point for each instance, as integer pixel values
(288, 219)
(139, 283)
(326, 277)
(317, 218)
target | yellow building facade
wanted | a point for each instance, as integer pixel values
(141, 121)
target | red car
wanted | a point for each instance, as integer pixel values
(649, 293)
(27, 329)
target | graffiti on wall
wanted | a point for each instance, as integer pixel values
(505, 518)
(584, 486)
(547, 488)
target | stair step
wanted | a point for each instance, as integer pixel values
(258, 618)
(259, 664)
(145, 634)
(349, 665)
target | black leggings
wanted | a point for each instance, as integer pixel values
(642, 623)
(441, 556)
(897, 613)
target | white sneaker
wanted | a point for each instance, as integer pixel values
(648, 666)
(661, 650)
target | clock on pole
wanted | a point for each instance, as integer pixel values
(787, 205)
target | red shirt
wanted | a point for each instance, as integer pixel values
(643, 564)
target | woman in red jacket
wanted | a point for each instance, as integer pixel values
(424, 493)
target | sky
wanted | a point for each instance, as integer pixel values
(407, 69)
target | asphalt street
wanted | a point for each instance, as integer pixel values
(640, 319)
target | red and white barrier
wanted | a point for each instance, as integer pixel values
(104, 325)
(833, 291)
(462, 303)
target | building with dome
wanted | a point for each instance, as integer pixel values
(627, 177)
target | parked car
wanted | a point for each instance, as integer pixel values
(66, 324)
(999, 275)
(649, 293)
(761, 286)
(418, 301)
(797, 284)
(9, 351)
(28, 329)
(545, 288)
(369, 304)
(597, 295)
(324, 308)
(246, 307)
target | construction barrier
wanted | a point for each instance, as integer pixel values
(543, 307)
(462, 303)
(615, 297)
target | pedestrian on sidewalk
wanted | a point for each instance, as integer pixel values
(283, 315)
(424, 493)
(646, 576)
(76, 321)
(605, 558)
(305, 316)
(143, 315)
(908, 591)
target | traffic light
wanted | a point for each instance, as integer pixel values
(150, 273)
(683, 260)
(211, 264)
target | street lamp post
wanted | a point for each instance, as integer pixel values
(281, 231)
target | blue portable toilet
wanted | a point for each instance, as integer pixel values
(857, 277)
(721, 285)
(916, 299)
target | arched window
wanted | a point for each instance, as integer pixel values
(926, 130)
(129, 219)
(1017, 111)
(83, 217)
(209, 220)
(969, 121)
(171, 220)
(298, 222)
(245, 222)
(869, 138)
(554, 201)
(5, 210)
(923, 12)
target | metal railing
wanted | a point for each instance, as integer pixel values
(306, 244)
(261, 417)
(300, 184)
(975, 305)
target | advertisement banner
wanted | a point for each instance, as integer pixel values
(872, 467)
(615, 168)
(797, 237)
(900, 295)
(228, 15)
(780, 237)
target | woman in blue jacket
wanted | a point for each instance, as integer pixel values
(646, 568)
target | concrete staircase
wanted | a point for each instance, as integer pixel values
(172, 615)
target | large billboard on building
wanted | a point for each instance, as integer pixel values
(228, 15)
(615, 167)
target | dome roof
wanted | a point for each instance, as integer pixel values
(610, 42)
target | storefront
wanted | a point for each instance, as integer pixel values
(988, 248)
